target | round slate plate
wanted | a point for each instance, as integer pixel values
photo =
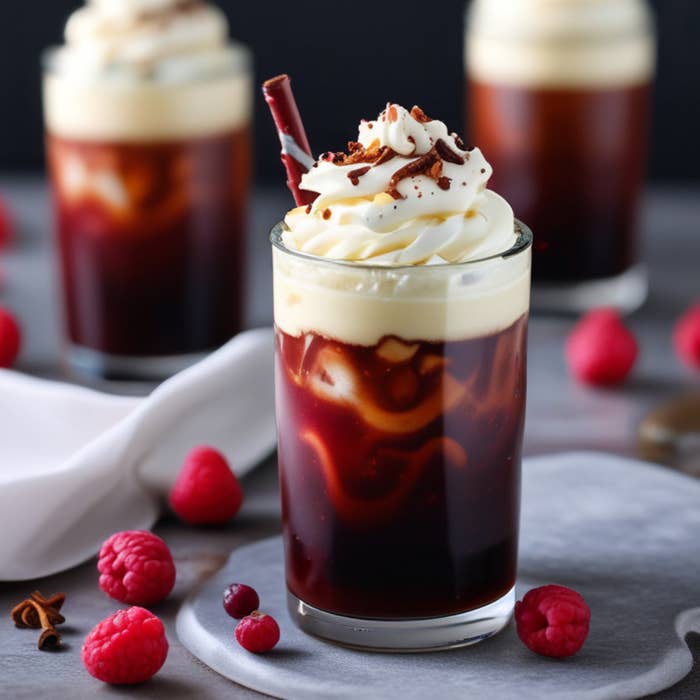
(625, 534)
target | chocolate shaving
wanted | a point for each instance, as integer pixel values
(444, 182)
(385, 155)
(359, 154)
(459, 142)
(446, 153)
(355, 175)
(420, 166)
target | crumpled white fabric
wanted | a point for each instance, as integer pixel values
(77, 465)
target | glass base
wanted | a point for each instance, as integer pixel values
(90, 363)
(413, 635)
(625, 292)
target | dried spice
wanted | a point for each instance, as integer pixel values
(38, 612)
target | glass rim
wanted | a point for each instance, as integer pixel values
(523, 242)
(242, 63)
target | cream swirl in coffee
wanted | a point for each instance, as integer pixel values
(408, 192)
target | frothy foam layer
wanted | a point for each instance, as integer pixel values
(408, 193)
(560, 43)
(146, 70)
(361, 305)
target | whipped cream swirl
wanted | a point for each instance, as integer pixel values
(408, 193)
(168, 40)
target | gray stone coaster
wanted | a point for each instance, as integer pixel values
(623, 533)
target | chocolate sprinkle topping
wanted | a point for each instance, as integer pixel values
(446, 153)
(355, 175)
(420, 166)
(459, 142)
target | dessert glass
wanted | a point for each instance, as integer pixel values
(150, 182)
(558, 100)
(400, 397)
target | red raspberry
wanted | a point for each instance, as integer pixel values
(206, 491)
(686, 337)
(552, 621)
(136, 567)
(5, 225)
(10, 338)
(601, 350)
(240, 600)
(127, 647)
(258, 632)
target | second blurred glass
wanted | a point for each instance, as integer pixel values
(559, 104)
(151, 184)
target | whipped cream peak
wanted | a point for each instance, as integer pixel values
(406, 133)
(133, 39)
(408, 192)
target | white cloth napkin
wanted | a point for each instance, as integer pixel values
(77, 465)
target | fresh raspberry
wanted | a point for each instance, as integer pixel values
(5, 225)
(552, 621)
(127, 647)
(10, 338)
(601, 350)
(136, 567)
(686, 337)
(240, 600)
(258, 632)
(206, 491)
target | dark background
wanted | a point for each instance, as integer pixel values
(347, 59)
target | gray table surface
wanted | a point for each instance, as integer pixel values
(561, 416)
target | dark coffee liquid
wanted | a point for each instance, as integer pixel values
(152, 247)
(400, 471)
(571, 163)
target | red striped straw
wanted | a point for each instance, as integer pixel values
(296, 152)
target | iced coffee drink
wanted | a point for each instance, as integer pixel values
(558, 99)
(401, 300)
(147, 109)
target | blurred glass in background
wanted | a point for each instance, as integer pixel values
(148, 142)
(559, 102)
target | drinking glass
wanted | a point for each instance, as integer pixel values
(400, 398)
(150, 182)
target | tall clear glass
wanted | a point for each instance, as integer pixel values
(150, 181)
(559, 101)
(400, 395)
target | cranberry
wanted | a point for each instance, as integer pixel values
(258, 632)
(240, 600)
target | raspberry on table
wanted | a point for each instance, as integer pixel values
(686, 337)
(240, 600)
(127, 647)
(552, 621)
(10, 338)
(600, 350)
(258, 632)
(206, 492)
(136, 567)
